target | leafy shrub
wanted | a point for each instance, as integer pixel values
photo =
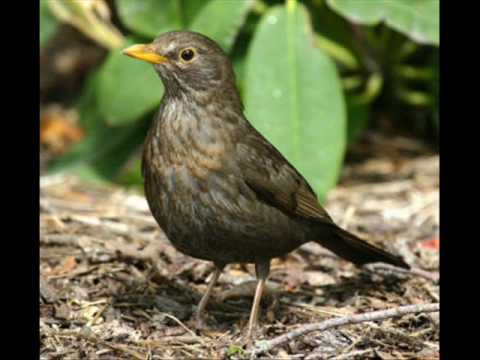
(309, 72)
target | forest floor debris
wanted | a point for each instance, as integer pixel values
(113, 287)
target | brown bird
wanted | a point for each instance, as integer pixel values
(219, 190)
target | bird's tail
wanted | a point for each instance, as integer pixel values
(356, 250)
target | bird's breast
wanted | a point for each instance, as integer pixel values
(188, 161)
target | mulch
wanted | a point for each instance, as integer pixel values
(112, 287)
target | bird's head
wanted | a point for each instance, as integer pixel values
(187, 63)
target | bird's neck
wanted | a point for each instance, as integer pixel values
(185, 113)
(183, 127)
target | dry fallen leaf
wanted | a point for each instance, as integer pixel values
(68, 265)
(58, 130)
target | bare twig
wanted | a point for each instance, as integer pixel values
(374, 267)
(95, 340)
(348, 355)
(413, 339)
(81, 270)
(265, 346)
(185, 339)
(99, 313)
(59, 239)
(192, 333)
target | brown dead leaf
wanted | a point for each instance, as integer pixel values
(68, 265)
(53, 223)
(58, 132)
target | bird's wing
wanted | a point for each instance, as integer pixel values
(274, 180)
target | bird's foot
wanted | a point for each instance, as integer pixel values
(250, 336)
(249, 342)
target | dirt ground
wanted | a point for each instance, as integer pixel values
(112, 287)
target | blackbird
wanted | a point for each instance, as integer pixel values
(219, 190)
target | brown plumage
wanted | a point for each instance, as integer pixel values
(219, 190)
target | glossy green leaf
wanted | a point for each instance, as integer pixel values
(127, 88)
(151, 17)
(190, 9)
(293, 95)
(221, 20)
(48, 23)
(418, 19)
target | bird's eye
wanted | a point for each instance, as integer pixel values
(187, 54)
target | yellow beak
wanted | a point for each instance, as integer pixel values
(145, 53)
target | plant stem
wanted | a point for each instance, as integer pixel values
(337, 52)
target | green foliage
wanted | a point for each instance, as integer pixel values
(127, 88)
(283, 99)
(235, 350)
(48, 23)
(106, 148)
(150, 18)
(229, 17)
(415, 18)
(311, 73)
(358, 118)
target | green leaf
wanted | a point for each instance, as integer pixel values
(151, 17)
(239, 69)
(234, 350)
(418, 19)
(104, 150)
(293, 95)
(221, 20)
(190, 9)
(127, 88)
(435, 88)
(48, 23)
(336, 30)
(123, 142)
(358, 118)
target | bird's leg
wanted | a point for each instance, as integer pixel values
(204, 301)
(262, 270)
